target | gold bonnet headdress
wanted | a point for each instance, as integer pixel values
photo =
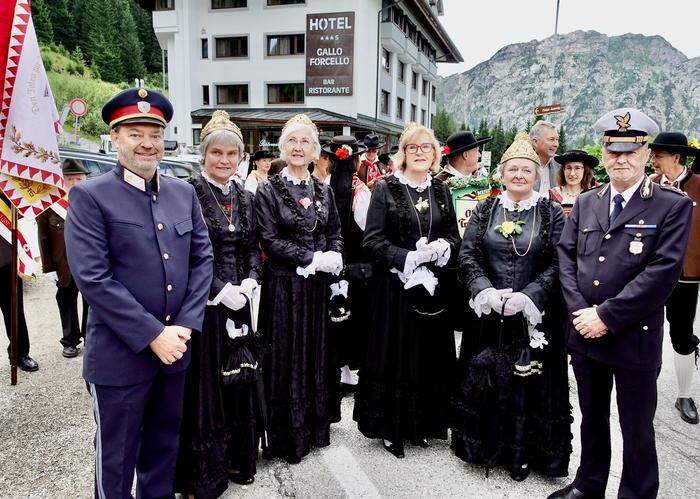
(301, 119)
(521, 148)
(220, 121)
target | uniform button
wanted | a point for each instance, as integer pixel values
(607, 236)
(646, 328)
(596, 282)
(166, 256)
(638, 234)
(169, 287)
(601, 258)
(161, 226)
(154, 198)
(641, 222)
(167, 318)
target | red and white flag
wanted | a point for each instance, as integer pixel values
(25, 262)
(60, 207)
(30, 167)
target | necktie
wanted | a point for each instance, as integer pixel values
(618, 199)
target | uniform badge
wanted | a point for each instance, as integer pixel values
(143, 93)
(636, 247)
(143, 106)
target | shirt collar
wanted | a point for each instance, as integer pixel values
(627, 193)
(224, 188)
(419, 187)
(138, 182)
(679, 179)
(518, 206)
(291, 178)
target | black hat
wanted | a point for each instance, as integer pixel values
(372, 141)
(673, 142)
(72, 166)
(384, 157)
(576, 155)
(137, 105)
(324, 139)
(459, 142)
(343, 140)
(261, 154)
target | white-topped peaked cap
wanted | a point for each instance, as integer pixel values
(625, 129)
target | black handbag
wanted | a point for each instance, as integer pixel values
(242, 356)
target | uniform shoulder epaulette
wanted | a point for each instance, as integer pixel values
(672, 189)
(593, 188)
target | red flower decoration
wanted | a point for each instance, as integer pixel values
(343, 152)
(445, 150)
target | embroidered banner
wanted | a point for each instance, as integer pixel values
(30, 168)
(24, 253)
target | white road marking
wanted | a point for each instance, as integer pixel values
(348, 473)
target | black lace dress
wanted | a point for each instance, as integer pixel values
(301, 374)
(409, 364)
(219, 430)
(499, 417)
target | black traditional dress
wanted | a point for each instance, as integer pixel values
(218, 431)
(405, 377)
(301, 375)
(501, 418)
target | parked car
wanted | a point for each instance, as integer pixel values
(98, 163)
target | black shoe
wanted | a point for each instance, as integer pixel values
(395, 449)
(421, 442)
(571, 492)
(688, 410)
(27, 364)
(293, 459)
(70, 352)
(519, 469)
(241, 478)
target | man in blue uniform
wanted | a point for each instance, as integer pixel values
(140, 254)
(620, 255)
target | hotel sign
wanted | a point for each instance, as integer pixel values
(330, 46)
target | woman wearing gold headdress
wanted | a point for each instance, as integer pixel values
(219, 432)
(512, 403)
(411, 235)
(300, 233)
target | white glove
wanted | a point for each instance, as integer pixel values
(339, 288)
(416, 258)
(51, 277)
(310, 269)
(331, 262)
(495, 299)
(424, 276)
(249, 287)
(233, 298)
(443, 250)
(515, 304)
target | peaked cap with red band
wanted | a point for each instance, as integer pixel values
(137, 105)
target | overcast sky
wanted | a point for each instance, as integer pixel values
(480, 27)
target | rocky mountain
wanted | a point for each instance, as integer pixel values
(588, 73)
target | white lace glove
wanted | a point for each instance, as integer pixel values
(51, 277)
(339, 288)
(331, 262)
(249, 287)
(310, 269)
(416, 258)
(443, 250)
(516, 303)
(422, 276)
(233, 298)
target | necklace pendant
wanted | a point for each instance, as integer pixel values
(231, 227)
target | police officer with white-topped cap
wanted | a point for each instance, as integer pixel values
(620, 255)
(140, 253)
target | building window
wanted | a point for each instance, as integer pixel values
(414, 83)
(432, 118)
(285, 45)
(425, 88)
(229, 4)
(422, 116)
(386, 60)
(385, 102)
(432, 93)
(285, 2)
(232, 46)
(165, 5)
(205, 48)
(413, 112)
(402, 71)
(232, 94)
(196, 134)
(285, 93)
(205, 95)
(399, 108)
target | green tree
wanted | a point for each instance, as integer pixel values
(64, 30)
(463, 127)
(528, 125)
(42, 21)
(127, 39)
(562, 140)
(151, 49)
(483, 129)
(443, 125)
(498, 144)
(510, 135)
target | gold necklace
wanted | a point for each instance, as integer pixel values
(415, 210)
(532, 233)
(229, 217)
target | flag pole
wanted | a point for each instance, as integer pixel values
(14, 299)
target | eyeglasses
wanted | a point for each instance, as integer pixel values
(426, 147)
(302, 143)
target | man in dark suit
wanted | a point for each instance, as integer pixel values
(140, 253)
(24, 361)
(620, 255)
(52, 246)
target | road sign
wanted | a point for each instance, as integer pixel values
(551, 108)
(486, 158)
(78, 107)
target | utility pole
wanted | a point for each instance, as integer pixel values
(556, 20)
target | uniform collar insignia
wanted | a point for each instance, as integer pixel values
(603, 191)
(623, 122)
(138, 182)
(647, 188)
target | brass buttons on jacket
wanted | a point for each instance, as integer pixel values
(646, 328)
(167, 318)
(166, 256)
(154, 198)
(601, 258)
(596, 282)
(607, 236)
(161, 226)
(169, 287)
